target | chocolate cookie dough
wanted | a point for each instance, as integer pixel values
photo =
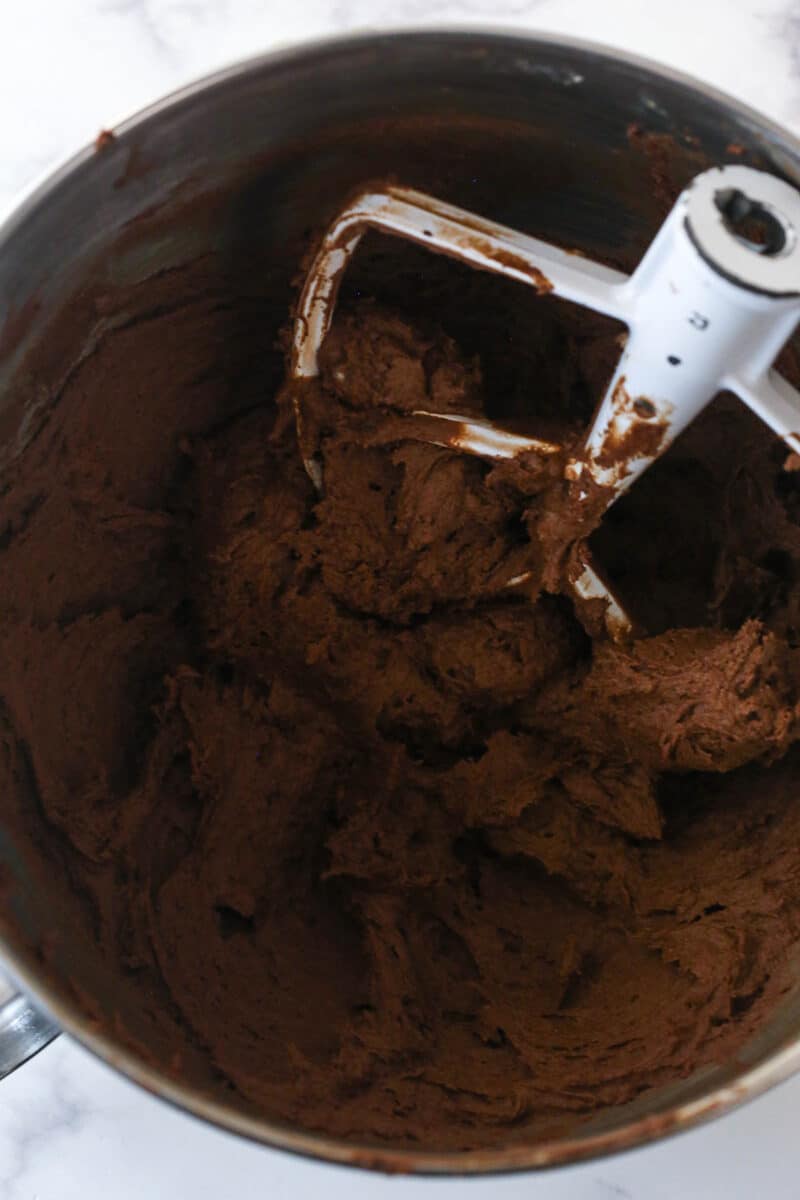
(412, 856)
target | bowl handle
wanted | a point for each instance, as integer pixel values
(24, 1029)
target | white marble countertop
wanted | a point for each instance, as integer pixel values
(70, 1129)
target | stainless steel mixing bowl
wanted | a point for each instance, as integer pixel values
(281, 139)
